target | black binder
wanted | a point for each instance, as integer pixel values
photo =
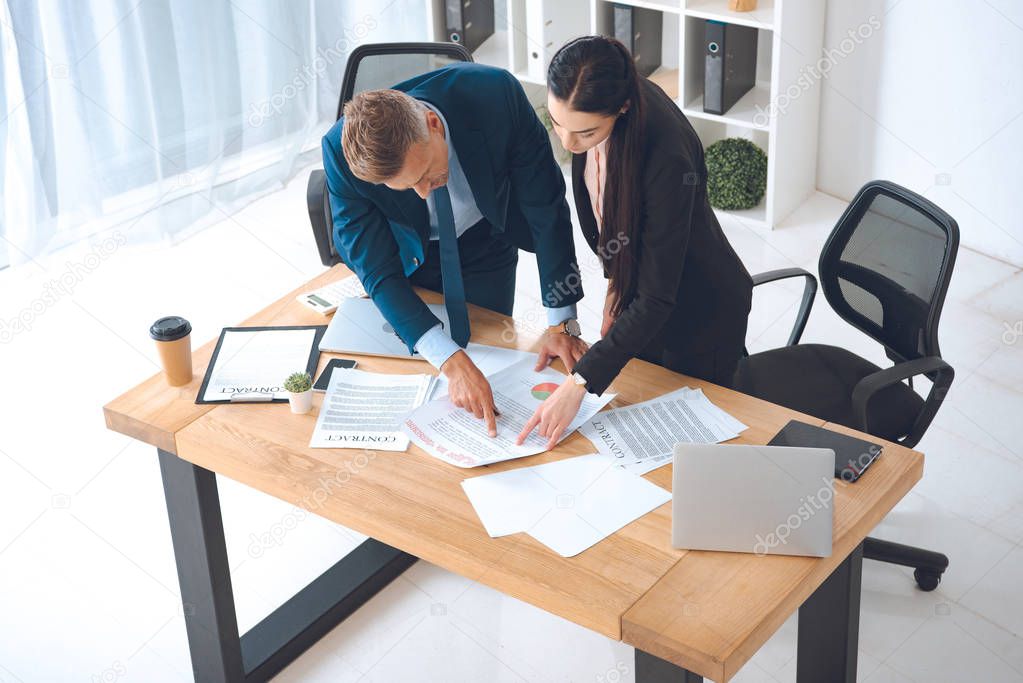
(730, 65)
(640, 30)
(469, 22)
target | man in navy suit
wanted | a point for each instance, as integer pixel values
(438, 183)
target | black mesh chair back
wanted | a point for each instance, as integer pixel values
(370, 67)
(382, 65)
(886, 268)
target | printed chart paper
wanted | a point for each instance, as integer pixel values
(455, 436)
(489, 360)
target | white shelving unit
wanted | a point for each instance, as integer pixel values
(779, 114)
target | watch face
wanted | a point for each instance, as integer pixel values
(572, 328)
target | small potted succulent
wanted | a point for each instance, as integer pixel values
(299, 386)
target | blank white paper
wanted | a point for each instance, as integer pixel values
(568, 505)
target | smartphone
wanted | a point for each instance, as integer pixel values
(324, 379)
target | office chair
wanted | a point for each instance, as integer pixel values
(885, 270)
(380, 65)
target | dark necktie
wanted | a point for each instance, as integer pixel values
(451, 268)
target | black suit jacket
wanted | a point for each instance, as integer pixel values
(692, 292)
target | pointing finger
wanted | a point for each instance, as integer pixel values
(533, 421)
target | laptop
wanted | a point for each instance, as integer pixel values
(359, 327)
(766, 500)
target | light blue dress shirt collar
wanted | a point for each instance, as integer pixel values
(463, 204)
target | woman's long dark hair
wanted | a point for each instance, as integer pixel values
(596, 74)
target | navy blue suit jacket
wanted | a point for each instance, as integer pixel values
(382, 234)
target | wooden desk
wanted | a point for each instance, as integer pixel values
(632, 586)
(712, 611)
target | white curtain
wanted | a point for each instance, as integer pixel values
(162, 116)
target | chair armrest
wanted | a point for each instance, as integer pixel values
(319, 217)
(809, 292)
(941, 374)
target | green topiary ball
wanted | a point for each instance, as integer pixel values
(736, 174)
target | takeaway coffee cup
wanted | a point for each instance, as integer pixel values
(173, 341)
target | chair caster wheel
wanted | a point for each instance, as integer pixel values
(927, 579)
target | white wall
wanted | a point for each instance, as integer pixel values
(932, 100)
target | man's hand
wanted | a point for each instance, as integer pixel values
(555, 413)
(557, 344)
(469, 389)
(609, 318)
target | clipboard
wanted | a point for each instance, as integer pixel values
(311, 363)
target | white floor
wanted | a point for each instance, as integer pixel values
(87, 582)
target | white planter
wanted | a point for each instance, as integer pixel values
(301, 403)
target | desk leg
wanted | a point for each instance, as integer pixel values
(197, 533)
(652, 669)
(829, 626)
(219, 654)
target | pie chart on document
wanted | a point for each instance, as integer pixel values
(543, 390)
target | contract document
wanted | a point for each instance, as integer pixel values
(365, 409)
(256, 361)
(641, 437)
(455, 436)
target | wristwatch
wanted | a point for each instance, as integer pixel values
(569, 327)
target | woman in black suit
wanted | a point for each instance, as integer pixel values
(677, 293)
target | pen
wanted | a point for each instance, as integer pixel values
(251, 398)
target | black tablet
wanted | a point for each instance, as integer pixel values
(852, 456)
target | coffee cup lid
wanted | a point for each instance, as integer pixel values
(170, 328)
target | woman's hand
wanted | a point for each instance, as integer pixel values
(556, 413)
(609, 317)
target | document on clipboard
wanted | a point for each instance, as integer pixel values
(250, 364)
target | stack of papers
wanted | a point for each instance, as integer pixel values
(455, 436)
(568, 505)
(365, 409)
(641, 437)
